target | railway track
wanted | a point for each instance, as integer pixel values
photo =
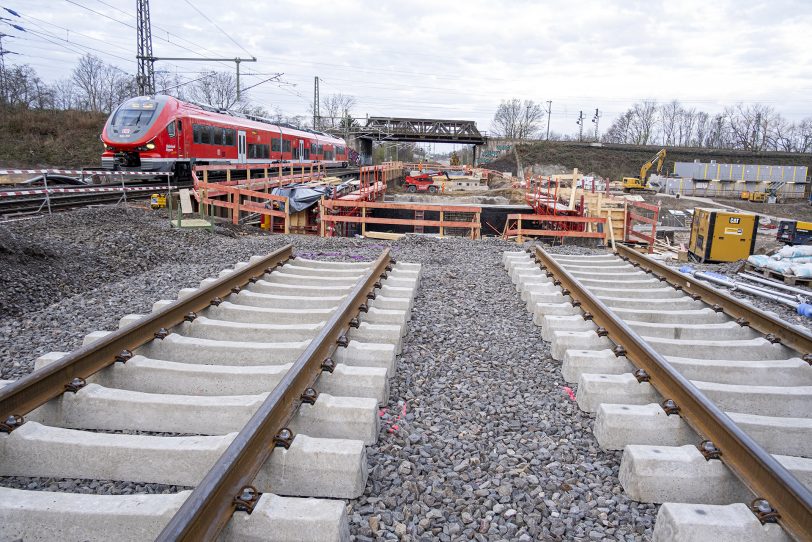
(258, 391)
(26, 205)
(709, 399)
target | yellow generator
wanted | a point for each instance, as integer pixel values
(157, 201)
(721, 235)
(759, 197)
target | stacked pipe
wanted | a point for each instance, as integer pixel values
(797, 301)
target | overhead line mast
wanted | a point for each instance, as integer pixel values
(146, 68)
(146, 61)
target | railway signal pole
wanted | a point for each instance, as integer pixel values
(595, 119)
(580, 123)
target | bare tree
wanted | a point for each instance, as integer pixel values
(618, 132)
(64, 93)
(88, 76)
(669, 120)
(718, 132)
(805, 135)
(643, 121)
(686, 126)
(333, 109)
(515, 119)
(23, 87)
(101, 86)
(171, 84)
(218, 89)
(702, 127)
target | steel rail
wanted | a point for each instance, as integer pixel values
(35, 389)
(759, 320)
(757, 469)
(210, 506)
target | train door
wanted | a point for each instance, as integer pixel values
(301, 150)
(241, 147)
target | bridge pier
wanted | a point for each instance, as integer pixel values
(365, 150)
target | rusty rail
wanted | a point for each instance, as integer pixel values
(759, 320)
(757, 469)
(211, 504)
(26, 394)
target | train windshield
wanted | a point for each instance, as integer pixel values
(134, 114)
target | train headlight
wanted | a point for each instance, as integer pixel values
(150, 145)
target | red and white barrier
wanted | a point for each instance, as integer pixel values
(36, 191)
(84, 172)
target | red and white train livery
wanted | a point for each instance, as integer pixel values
(161, 133)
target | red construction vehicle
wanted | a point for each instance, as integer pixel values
(424, 182)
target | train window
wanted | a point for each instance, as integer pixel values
(231, 137)
(295, 152)
(258, 151)
(275, 145)
(285, 146)
(170, 129)
(196, 130)
(205, 135)
(328, 155)
(306, 153)
(132, 117)
(314, 148)
(180, 126)
(321, 149)
(339, 150)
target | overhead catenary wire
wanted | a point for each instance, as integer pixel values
(218, 27)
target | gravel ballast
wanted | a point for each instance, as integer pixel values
(480, 438)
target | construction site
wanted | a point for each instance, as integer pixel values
(342, 272)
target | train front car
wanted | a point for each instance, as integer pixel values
(142, 135)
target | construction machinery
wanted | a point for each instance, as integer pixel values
(423, 182)
(794, 232)
(639, 183)
(769, 195)
(722, 235)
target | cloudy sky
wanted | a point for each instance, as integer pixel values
(454, 59)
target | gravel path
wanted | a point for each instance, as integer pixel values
(481, 439)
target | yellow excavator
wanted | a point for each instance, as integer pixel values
(639, 183)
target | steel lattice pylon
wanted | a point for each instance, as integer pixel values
(146, 70)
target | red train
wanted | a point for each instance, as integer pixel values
(161, 133)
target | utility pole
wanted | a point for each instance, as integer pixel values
(236, 60)
(146, 62)
(595, 119)
(549, 109)
(316, 103)
(755, 131)
(580, 123)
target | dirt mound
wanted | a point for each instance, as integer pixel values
(617, 161)
(32, 138)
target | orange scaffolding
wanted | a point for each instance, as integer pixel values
(650, 217)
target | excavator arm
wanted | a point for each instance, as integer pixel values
(658, 159)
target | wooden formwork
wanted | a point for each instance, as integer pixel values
(560, 226)
(329, 220)
(613, 210)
